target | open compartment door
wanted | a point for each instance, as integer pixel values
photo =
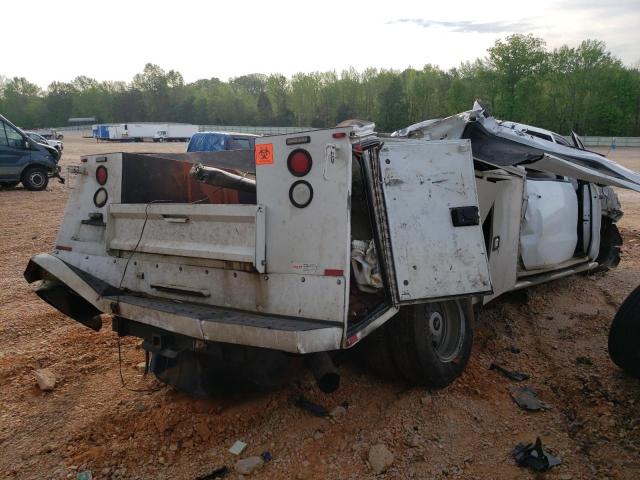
(427, 211)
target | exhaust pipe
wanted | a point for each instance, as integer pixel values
(324, 371)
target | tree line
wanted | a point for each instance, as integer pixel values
(583, 88)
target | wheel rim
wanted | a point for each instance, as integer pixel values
(446, 327)
(36, 179)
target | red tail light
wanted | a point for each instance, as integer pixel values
(299, 162)
(102, 175)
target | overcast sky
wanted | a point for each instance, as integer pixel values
(46, 41)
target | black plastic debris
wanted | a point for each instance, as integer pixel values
(266, 456)
(515, 376)
(533, 456)
(527, 398)
(217, 473)
(313, 408)
(514, 349)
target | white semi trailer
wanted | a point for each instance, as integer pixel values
(321, 240)
(139, 132)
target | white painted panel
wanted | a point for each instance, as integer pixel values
(315, 238)
(422, 182)
(550, 228)
(221, 232)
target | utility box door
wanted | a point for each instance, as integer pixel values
(434, 231)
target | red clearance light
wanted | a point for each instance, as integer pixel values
(333, 272)
(102, 175)
(299, 162)
(339, 135)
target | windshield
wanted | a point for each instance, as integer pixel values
(207, 142)
(37, 138)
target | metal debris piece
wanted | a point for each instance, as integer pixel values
(313, 408)
(238, 447)
(533, 456)
(217, 473)
(527, 399)
(515, 376)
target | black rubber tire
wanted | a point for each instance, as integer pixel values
(418, 357)
(35, 179)
(624, 335)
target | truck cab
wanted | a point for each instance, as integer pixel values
(218, 141)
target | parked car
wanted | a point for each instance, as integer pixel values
(57, 144)
(23, 159)
(218, 141)
(353, 236)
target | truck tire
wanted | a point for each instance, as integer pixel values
(624, 335)
(35, 179)
(431, 343)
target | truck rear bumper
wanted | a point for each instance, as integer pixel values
(202, 322)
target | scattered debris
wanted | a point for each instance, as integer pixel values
(533, 456)
(515, 376)
(527, 399)
(84, 475)
(248, 465)
(266, 456)
(217, 473)
(380, 458)
(514, 349)
(313, 408)
(45, 378)
(238, 447)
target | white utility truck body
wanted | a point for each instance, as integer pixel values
(283, 268)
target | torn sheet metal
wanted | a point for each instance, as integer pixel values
(511, 375)
(527, 399)
(533, 456)
(508, 143)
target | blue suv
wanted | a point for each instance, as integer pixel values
(24, 160)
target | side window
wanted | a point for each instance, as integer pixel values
(561, 141)
(14, 139)
(240, 144)
(3, 136)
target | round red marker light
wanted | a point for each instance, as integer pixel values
(299, 162)
(102, 175)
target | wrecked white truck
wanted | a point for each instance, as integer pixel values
(228, 264)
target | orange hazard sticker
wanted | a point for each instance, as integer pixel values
(264, 154)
